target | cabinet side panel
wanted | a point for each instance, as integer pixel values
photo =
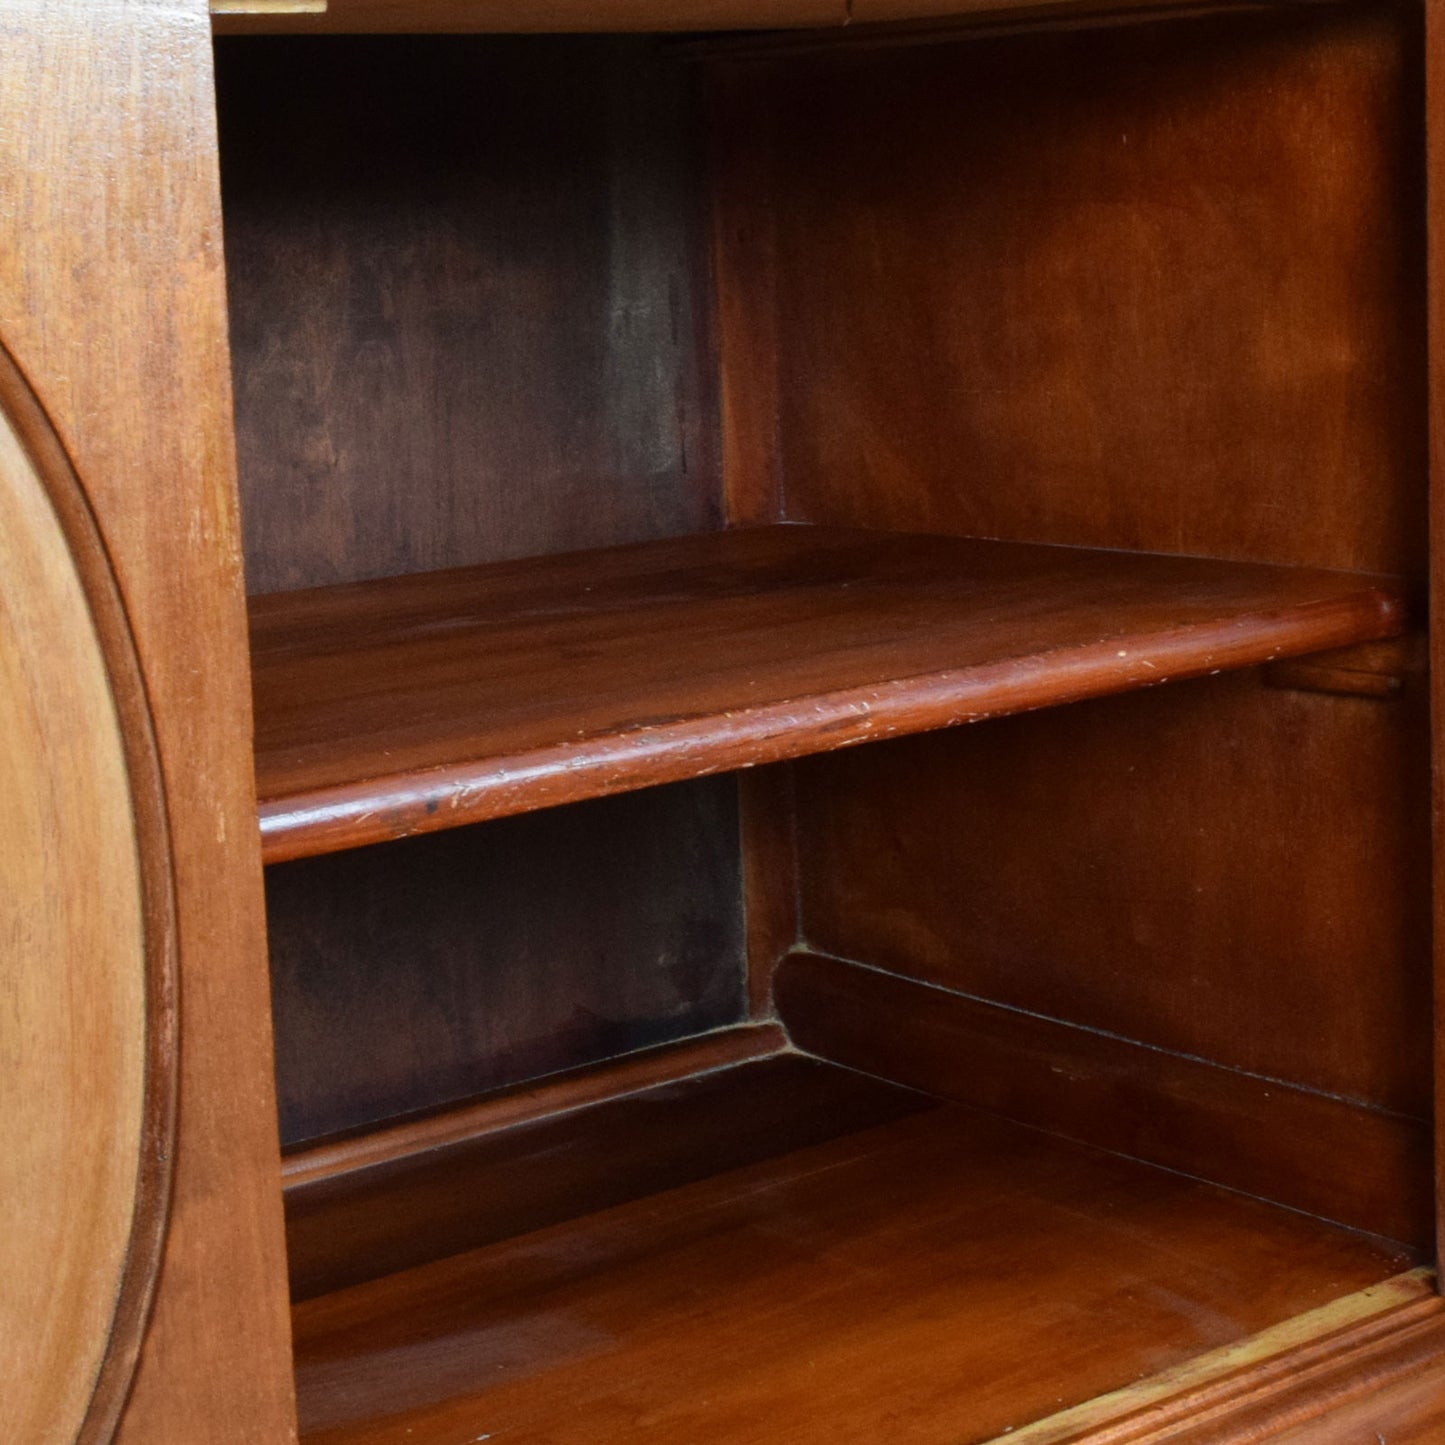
(112, 303)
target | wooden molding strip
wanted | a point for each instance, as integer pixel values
(557, 1094)
(572, 1152)
(1326, 1156)
(1298, 1370)
(416, 703)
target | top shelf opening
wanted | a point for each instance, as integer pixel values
(454, 17)
(417, 703)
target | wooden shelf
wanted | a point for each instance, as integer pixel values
(425, 702)
(936, 1278)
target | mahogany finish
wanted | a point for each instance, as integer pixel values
(1158, 287)
(1310, 1151)
(419, 703)
(557, 1094)
(1435, 101)
(1219, 869)
(510, 1178)
(910, 363)
(864, 1289)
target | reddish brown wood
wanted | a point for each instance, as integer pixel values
(515, 1174)
(1158, 287)
(574, 1089)
(1435, 102)
(742, 202)
(1398, 1398)
(770, 877)
(1217, 869)
(1310, 1151)
(1302, 1371)
(864, 1289)
(426, 702)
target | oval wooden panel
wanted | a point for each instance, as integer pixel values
(87, 1041)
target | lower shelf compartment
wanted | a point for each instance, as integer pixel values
(938, 1278)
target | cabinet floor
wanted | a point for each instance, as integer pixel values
(941, 1278)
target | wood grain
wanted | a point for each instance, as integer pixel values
(1254, 1134)
(516, 1176)
(1298, 1369)
(1218, 869)
(87, 1092)
(558, 1094)
(863, 1289)
(112, 304)
(420, 703)
(768, 812)
(469, 312)
(1401, 1400)
(1180, 311)
(437, 969)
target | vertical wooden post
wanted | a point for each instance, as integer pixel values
(112, 303)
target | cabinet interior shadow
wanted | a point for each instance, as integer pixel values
(412, 974)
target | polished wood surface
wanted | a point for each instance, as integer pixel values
(513, 1176)
(863, 1289)
(81, 1194)
(1254, 1134)
(1156, 287)
(469, 311)
(1404, 1404)
(770, 877)
(1435, 103)
(112, 305)
(419, 973)
(560, 1093)
(1300, 1370)
(1218, 869)
(420, 703)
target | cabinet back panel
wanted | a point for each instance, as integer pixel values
(413, 974)
(1215, 868)
(1156, 287)
(467, 320)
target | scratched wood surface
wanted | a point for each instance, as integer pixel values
(416, 703)
(875, 1287)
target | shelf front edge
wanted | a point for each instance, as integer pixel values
(334, 818)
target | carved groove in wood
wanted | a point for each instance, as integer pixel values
(88, 1042)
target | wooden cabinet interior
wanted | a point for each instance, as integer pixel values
(614, 412)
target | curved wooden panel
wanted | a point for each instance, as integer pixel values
(87, 1038)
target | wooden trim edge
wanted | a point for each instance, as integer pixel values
(1271, 1139)
(1283, 1376)
(559, 1094)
